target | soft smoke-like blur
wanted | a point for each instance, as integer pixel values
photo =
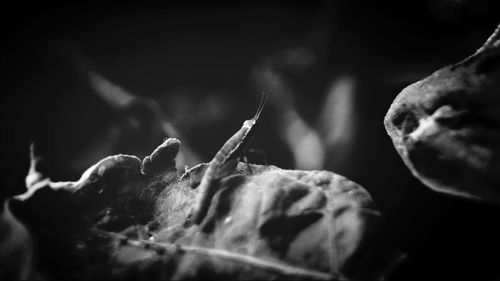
(303, 141)
(142, 125)
(338, 120)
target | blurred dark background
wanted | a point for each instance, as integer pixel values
(335, 66)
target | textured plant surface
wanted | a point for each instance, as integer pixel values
(126, 219)
(446, 127)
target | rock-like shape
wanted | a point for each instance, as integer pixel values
(446, 127)
(127, 220)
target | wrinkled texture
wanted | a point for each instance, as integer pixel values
(446, 127)
(126, 219)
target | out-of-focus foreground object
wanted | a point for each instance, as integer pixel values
(446, 127)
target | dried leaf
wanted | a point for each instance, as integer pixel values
(126, 220)
(446, 126)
